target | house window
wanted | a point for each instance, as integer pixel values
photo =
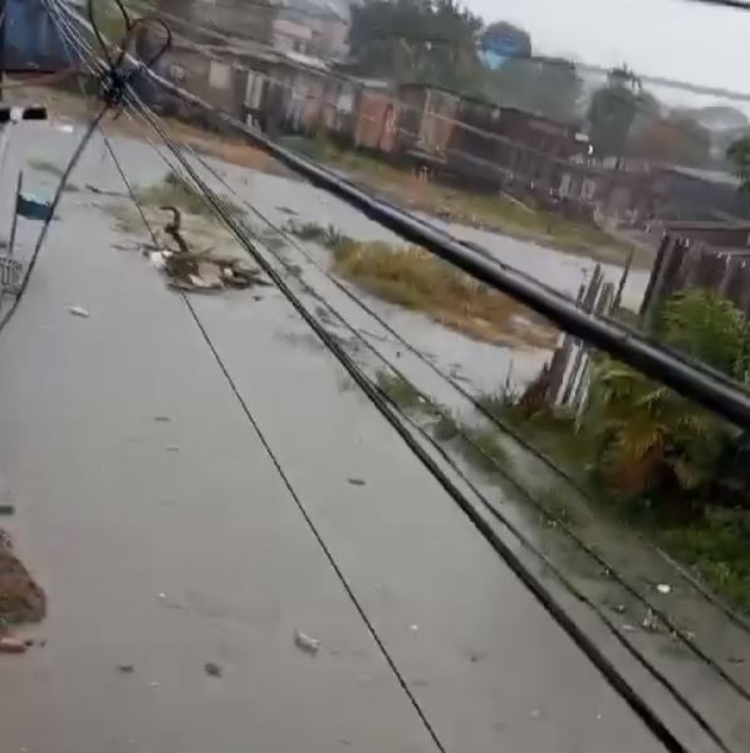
(218, 75)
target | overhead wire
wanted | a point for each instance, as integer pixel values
(115, 74)
(639, 105)
(507, 429)
(541, 456)
(728, 400)
(525, 541)
(666, 619)
(549, 60)
(290, 488)
(601, 662)
(605, 666)
(52, 208)
(674, 629)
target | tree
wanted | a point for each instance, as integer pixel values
(416, 40)
(676, 138)
(501, 42)
(547, 86)
(738, 155)
(612, 112)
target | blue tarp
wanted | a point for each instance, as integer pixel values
(31, 38)
(33, 208)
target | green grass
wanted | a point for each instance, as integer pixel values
(402, 392)
(716, 547)
(328, 236)
(718, 550)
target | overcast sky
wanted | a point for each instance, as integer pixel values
(680, 39)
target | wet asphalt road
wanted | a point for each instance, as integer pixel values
(166, 545)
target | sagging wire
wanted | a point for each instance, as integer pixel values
(604, 665)
(63, 182)
(117, 83)
(660, 614)
(613, 627)
(727, 399)
(546, 562)
(218, 207)
(117, 75)
(71, 48)
(287, 482)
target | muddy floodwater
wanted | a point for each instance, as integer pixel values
(150, 509)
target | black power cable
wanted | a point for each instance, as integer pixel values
(708, 371)
(236, 228)
(63, 182)
(285, 479)
(493, 510)
(558, 521)
(728, 400)
(647, 715)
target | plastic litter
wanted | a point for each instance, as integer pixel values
(306, 643)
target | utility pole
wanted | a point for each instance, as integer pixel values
(3, 27)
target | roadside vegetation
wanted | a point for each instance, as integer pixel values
(496, 213)
(411, 277)
(647, 458)
(654, 459)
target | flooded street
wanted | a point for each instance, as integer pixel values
(154, 515)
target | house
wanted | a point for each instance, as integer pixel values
(280, 92)
(708, 255)
(427, 116)
(482, 142)
(694, 194)
(640, 193)
(377, 113)
(512, 147)
(313, 29)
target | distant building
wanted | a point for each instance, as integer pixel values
(706, 255)
(312, 29)
(483, 142)
(247, 19)
(653, 191)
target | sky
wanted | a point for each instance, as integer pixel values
(680, 39)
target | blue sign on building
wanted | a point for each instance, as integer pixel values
(32, 41)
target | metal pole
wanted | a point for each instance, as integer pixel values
(14, 222)
(3, 27)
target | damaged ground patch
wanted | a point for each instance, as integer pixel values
(21, 599)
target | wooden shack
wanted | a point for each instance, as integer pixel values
(707, 255)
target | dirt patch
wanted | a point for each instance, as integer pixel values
(21, 599)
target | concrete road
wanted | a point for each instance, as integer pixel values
(169, 544)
